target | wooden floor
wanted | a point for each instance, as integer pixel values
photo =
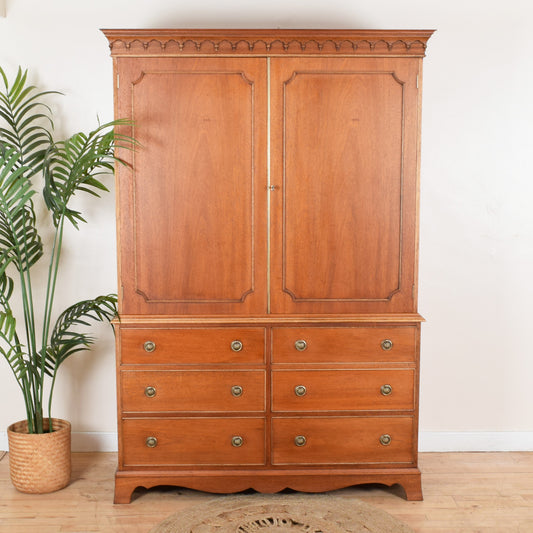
(464, 492)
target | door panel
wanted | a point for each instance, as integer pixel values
(344, 156)
(194, 227)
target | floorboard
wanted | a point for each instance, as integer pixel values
(463, 493)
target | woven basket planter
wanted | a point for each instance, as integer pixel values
(39, 463)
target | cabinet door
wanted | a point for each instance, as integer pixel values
(192, 210)
(344, 167)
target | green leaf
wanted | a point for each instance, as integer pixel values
(23, 130)
(19, 239)
(74, 166)
(6, 289)
(10, 348)
(4, 77)
(64, 341)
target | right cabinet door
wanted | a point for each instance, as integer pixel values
(344, 181)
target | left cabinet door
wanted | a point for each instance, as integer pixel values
(192, 207)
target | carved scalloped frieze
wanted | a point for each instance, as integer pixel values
(131, 42)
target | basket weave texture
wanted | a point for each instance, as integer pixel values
(39, 463)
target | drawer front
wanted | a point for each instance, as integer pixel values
(193, 346)
(342, 390)
(193, 441)
(342, 440)
(190, 390)
(343, 344)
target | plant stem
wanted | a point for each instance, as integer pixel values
(50, 292)
(52, 385)
(36, 379)
(34, 387)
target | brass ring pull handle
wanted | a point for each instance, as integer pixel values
(386, 345)
(151, 442)
(150, 392)
(300, 440)
(385, 440)
(386, 390)
(300, 345)
(300, 390)
(149, 346)
(237, 441)
(236, 346)
(236, 391)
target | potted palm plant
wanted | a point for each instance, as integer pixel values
(35, 345)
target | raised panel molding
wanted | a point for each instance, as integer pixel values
(397, 287)
(240, 293)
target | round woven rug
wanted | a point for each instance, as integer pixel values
(265, 513)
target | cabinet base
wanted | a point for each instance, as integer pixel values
(223, 482)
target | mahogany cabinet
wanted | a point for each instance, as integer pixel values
(267, 243)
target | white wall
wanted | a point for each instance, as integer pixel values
(476, 250)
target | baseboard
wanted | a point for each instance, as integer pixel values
(429, 441)
(94, 442)
(475, 441)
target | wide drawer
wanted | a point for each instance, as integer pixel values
(343, 344)
(342, 440)
(193, 441)
(192, 345)
(191, 390)
(340, 390)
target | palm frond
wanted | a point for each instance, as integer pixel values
(6, 288)
(10, 346)
(19, 238)
(64, 341)
(77, 165)
(23, 112)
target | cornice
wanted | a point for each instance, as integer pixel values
(268, 42)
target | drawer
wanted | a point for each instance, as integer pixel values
(193, 346)
(344, 344)
(193, 441)
(342, 440)
(190, 390)
(342, 390)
